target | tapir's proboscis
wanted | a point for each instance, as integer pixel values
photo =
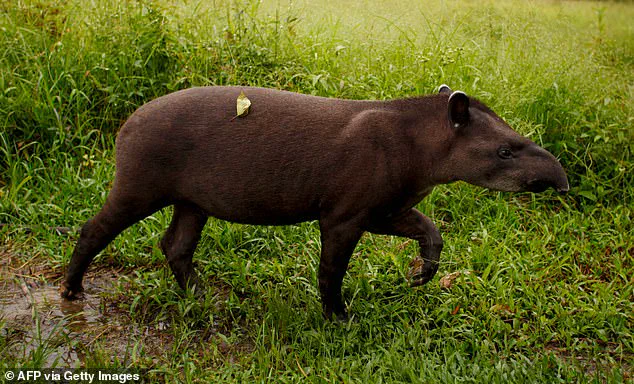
(355, 166)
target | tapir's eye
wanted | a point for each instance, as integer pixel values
(505, 153)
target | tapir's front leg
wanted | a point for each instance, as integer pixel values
(416, 226)
(338, 241)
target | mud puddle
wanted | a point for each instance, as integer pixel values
(39, 327)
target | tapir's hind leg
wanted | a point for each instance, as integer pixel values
(180, 241)
(338, 241)
(119, 212)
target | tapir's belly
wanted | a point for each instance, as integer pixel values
(261, 215)
(254, 196)
(258, 211)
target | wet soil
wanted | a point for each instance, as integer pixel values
(37, 325)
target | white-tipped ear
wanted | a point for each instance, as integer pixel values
(444, 90)
(459, 109)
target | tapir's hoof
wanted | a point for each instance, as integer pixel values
(195, 286)
(421, 271)
(337, 314)
(198, 291)
(339, 317)
(69, 293)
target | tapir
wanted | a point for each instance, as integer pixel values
(354, 165)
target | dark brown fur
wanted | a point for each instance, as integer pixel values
(353, 165)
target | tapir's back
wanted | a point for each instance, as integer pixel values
(191, 146)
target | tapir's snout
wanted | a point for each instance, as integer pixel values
(550, 174)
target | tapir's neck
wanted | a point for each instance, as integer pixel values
(426, 124)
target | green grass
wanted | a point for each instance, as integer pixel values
(545, 292)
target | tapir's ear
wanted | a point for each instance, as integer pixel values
(444, 90)
(458, 109)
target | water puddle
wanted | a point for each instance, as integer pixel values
(39, 327)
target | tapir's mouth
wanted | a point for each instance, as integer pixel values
(537, 186)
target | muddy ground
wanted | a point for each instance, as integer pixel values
(39, 326)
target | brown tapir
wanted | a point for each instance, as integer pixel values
(353, 165)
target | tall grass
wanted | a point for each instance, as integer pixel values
(545, 289)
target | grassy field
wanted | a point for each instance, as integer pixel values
(543, 285)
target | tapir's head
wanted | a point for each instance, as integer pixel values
(485, 151)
